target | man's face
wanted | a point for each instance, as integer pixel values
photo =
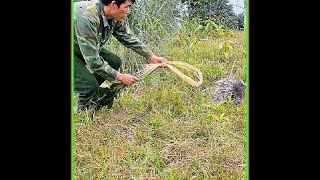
(121, 12)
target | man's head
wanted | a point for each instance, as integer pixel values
(117, 9)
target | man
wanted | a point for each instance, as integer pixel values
(94, 23)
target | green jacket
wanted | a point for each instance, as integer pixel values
(92, 29)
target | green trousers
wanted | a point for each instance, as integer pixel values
(87, 84)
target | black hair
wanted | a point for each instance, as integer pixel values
(118, 2)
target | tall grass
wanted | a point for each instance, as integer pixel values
(154, 22)
(161, 127)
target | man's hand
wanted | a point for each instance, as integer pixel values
(127, 79)
(159, 60)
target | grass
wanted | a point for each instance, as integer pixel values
(163, 128)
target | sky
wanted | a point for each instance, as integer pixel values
(236, 5)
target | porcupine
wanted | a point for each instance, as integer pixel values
(230, 87)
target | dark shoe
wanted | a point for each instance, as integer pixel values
(109, 94)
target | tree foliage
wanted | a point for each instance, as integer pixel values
(220, 11)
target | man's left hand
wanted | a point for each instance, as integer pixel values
(159, 60)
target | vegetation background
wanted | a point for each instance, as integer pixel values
(161, 127)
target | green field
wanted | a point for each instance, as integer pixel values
(163, 128)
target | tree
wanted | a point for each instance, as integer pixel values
(241, 19)
(244, 14)
(220, 11)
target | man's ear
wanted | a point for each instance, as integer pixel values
(113, 4)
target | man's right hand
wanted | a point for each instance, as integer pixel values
(127, 79)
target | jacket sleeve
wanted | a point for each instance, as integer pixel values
(126, 37)
(86, 31)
